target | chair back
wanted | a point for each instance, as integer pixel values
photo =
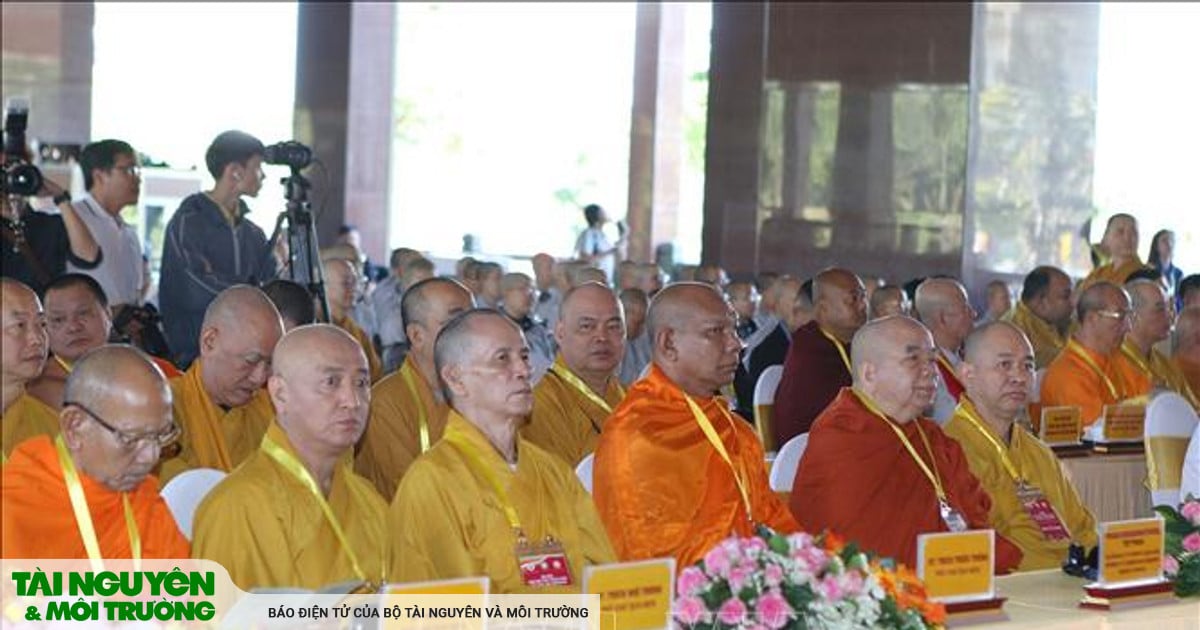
(184, 493)
(1189, 483)
(584, 471)
(783, 471)
(764, 405)
(1170, 423)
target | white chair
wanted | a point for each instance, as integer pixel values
(185, 492)
(1035, 396)
(1189, 483)
(764, 405)
(584, 471)
(783, 470)
(1170, 423)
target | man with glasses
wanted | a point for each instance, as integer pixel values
(112, 177)
(1138, 367)
(220, 402)
(88, 492)
(1081, 375)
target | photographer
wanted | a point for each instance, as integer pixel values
(209, 244)
(113, 179)
(37, 245)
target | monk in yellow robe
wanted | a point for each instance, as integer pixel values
(408, 413)
(675, 471)
(24, 349)
(1082, 375)
(1138, 368)
(1044, 312)
(1185, 353)
(1034, 505)
(78, 319)
(878, 473)
(341, 289)
(573, 399)
(483, 500)
(220, 403)
(295, 514)
(116, 417)
(1119, 244)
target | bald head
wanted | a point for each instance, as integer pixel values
(341, 285)
(590, 332)
(426, 307)
(583, 274)
(240, 330)
(893, 363)
(25, 341)
(942, 306)
(784, 291)
(694, 337)
(839, 302)
(635, 304)
(482, 363)
(997, 372)
(1153, 313)
(889, 300)
(400, 257)
(121, 386)
(1104, 317)
(744, 298)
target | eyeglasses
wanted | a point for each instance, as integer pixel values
(133, 170)
(1117, 315)
(129, 441)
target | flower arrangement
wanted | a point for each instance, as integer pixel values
(771, 581)
(1181, 560)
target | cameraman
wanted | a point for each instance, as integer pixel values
(38, 244)
(209, 244)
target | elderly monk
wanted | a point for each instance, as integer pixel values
(943, 307)
(341, 287)
(518, 293)
(1044, 312)
(818, 361)
(675, 472)
(878, 473)
(24, 350)
(78, 320)
(408, 413)
(571, 403)
(220, 403)
(1034, 505)
(998, 301)
(1185, 349)
(1082, 375)
(1119, 243)
(296, 514)
(484, 500)
(116, 417)
(1138, 368)
(887, 300)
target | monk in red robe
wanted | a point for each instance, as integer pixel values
(875, 471)
(675, 471)
(116, 416)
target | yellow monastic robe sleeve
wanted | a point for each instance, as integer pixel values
(27, 417)
(393, 436)
(1047, 342)
(448, 522)
(374, 364)
(268, 530)
(564, 421)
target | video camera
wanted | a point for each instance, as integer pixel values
(20, 177)
(289, 153)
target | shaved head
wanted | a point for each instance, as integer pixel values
(839, 302)
(1104, 317)
(118, 385)
(239, 333)
(1153, 312)
(694, 337)
(943, 307)
(893, 363)
(997, 371)
(482, 363)
(889, 299)
(25, 341)
(590, 332)
(425, 308)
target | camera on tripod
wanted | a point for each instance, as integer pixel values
(20, 177)
(289, 153)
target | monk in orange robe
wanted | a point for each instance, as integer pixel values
(875, 471)
(116, 417)
(78, 319)
(1186, 353)
(1138, 368)
(1082, 375)
(408, 413)
(24, 345)
(573, 399)
(1120, 243)
(341, 286)
(675, 472)
(220, 402)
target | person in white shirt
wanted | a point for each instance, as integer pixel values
(593, 246)
(112, 176)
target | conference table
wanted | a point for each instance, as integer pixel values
(1050, 600)
(1112, 486)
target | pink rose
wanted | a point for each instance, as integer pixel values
(1191, 511)
(740, 576)
(830, 588)
(772, 610)
(1191, 542)
(732, 612)
(756, 544)
(1170, 565)
(773, 575)
(690, 581)
(717, 561)
(691, 610)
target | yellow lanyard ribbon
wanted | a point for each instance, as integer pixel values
(63, 364)
(715, 440)
(406, 372)
(475, 460)
(933, 475)
(297, 470)
(83, 516)
(575, 382)
(977, 423)
(841, 348)
(1129, 351)
(1074, 346)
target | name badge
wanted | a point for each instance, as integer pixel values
(544, 563)
(1035, 504)
(951, 517)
